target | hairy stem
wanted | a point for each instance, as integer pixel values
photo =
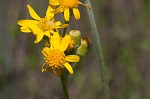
(96, 39)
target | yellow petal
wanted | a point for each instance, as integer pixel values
(85, 5)
(39, 37)
(54, 2)
(67, 14)
(58, 23)
(76, 13)
(38, 32)
(65, 43)
(58, 10)
(55, 41)
(33, 13)
(35, 30)
(62, 26)
(27, 23)
(47, 33)
(72, 58)
(25, 29)
(69, 68)
(43, 69)
(52, 31)
(49, 15)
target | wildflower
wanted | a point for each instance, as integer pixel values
(65, 6)
(55, 56)
(40, 26)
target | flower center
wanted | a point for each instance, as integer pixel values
(54, 58)
(69, 3)
(46, 24)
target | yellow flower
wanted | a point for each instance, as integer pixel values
(55, 57)
(40, 26)
(65, 5)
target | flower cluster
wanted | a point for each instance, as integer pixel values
(62, 51)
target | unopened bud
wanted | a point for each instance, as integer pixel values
(76, 37)
(83, 48)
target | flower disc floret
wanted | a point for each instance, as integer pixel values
(54, 58)
(46, 25)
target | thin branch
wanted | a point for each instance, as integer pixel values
(96, 39)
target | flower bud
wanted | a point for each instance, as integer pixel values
(83, 48)
(76, 38)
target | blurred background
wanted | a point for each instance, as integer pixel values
(124, 29)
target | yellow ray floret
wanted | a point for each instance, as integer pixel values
(65, 5)
(55, 57)
(40, 26)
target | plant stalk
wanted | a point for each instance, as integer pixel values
(96, 39)
(64, 85)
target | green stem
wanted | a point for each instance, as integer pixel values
(96, 39)
(64, 85)
(65, 29)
